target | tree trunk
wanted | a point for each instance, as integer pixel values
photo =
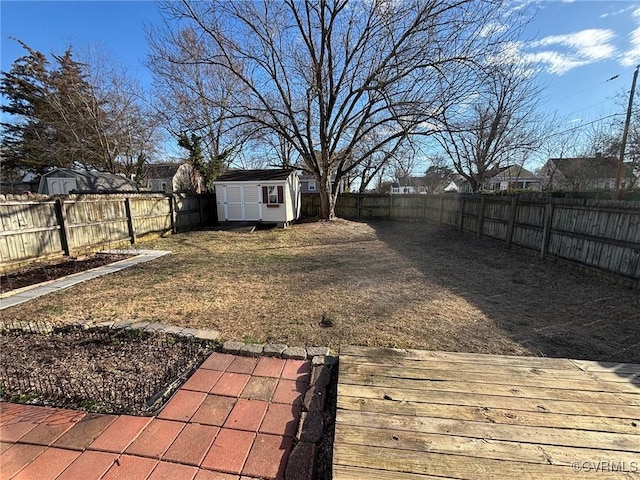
(327, 200)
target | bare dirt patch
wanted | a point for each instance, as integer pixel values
(380, 283)
(103, 370)
(52, 270)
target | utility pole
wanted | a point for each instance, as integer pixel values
(625, 132)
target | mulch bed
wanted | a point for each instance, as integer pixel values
(45, 271)
(100, 370)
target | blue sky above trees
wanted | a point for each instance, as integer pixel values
(578, 45)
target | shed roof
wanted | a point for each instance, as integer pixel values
(254, 175)
(93, 181)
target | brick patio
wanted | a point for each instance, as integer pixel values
(234, 419)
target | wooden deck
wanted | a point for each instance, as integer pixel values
(417, 415)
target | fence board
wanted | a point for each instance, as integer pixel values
(30, 229)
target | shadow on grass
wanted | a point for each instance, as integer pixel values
(551, 309)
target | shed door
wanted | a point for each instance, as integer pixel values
(60, 186)
(235, 212)
(251, 201)
(242, 203)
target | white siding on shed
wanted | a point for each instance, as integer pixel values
(243, 200)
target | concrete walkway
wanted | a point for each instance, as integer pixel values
(234, 419)
(21, 295)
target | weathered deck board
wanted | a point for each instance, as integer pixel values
(417, 415)
(620, 373)
(594, 381)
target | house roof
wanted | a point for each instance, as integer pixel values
(254, 175)
(161, 170)
(408, 181)
(513, 172)
(92, 180)
(593, 168)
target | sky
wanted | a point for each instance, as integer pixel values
(579, 46)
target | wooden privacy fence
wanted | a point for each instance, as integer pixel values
(603, 235)
(35, 227)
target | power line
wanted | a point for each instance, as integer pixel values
(578, 127)
(590, 87)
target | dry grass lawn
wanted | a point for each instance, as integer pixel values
(383, 283)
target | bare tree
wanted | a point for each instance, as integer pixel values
(328, 74)
(194, 95)
(496, 125)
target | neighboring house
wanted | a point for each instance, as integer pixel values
(458, 184)
(24, 182)
(583, 173)
(409, 185)
(270, 196)
(61, 181)
(309, 184)
(171, 177)
(512, 177)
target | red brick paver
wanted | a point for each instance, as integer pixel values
(173, 471)
(247, 415)
(229, 451)
(202, 380)
(230, 384)
(281, 419)
(182, 406)
(289, 392)
(83, 433)
(192, 444)
(234, 419)
(269, 367)
(214, 410)
(155, 439)
(117, 437)
(212, 475)
(47, 466)
(242, 365)
(298, 370)
(17, 457)
(268, 457)
(89, 465)
(218, 361)
(128, 467)
(53, 427)
(259, 388)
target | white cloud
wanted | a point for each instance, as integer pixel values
(631, 56)
(621, 11)
(591, 44)
(558, 54)
(555, 62)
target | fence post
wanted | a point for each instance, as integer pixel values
(424, 211)
(441, 208)
(512, 220)
(390, 205)
(546, 231)
(201, 208)
(461, 217)
(172, 213)
(127, 209)
(62, 221)
(481, 216)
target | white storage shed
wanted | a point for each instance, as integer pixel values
(269, 196)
